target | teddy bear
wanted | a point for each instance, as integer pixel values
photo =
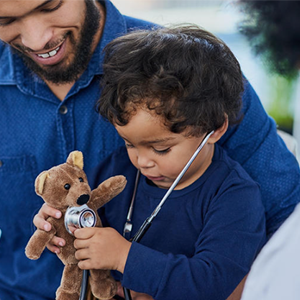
(65, 186)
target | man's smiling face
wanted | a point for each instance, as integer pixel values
(54, 37)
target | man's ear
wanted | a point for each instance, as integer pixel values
(218, 133)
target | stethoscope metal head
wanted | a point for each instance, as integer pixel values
(79, 217)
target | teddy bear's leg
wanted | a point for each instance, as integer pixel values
(70, 284)
(102, 284)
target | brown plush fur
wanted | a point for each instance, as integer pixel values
(50, 185)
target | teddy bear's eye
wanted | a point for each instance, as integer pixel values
(80, 179)
(67, 186)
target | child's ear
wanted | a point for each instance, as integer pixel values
(218, 133)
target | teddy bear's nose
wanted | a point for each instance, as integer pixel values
(83, 199)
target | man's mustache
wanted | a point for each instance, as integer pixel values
(48, 46)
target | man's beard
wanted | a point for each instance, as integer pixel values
(83, 51)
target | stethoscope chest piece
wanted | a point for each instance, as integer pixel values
(79, 217)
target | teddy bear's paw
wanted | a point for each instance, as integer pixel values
(32, 251)
(62, 295)
(104, 290)
(32, 256)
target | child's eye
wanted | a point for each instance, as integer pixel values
(162, 152)
(128, 145)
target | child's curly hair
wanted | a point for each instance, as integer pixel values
(185, 74)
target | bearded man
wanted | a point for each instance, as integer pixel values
(51, 66)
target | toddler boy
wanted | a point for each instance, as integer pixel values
(164, 90)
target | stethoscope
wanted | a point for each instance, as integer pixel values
(147, 223)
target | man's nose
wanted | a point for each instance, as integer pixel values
(35, 34)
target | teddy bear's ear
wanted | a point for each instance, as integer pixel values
(40, 182)
(75, 158)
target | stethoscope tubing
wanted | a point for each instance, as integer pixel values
(84, 284)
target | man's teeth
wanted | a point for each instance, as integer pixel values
(49, 54)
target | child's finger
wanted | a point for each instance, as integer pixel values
(85, 264)
(80, 244)
(82, 254)
(85, 233)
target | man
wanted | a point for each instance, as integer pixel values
(50, 62)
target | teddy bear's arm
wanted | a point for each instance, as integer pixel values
(107, 190)
(37, 243)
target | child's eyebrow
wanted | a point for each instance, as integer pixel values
(157, 141)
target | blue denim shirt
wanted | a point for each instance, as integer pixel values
(37, 131)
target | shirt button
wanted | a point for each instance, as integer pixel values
(63, 110)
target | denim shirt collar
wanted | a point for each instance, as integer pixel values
(14, 72)
(115, 26)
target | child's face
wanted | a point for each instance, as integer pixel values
(159, 154)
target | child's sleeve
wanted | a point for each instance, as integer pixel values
(255, 144)
(232, 235)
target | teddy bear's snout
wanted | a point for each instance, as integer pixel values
(83, 199)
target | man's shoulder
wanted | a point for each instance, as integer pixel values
(6, 70)
(134, 23)
(230, 166)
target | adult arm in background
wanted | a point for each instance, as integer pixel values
(275, 274)
(255, 144)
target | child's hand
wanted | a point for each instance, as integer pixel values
(101, 248)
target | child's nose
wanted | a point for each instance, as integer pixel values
(144, 161)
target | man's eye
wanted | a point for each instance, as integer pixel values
(6, 21)
(52, 6)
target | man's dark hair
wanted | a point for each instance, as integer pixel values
(185, 74)
(273, 30)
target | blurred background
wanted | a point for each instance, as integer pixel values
(222, 17)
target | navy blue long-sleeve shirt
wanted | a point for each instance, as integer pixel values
(203, 240)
